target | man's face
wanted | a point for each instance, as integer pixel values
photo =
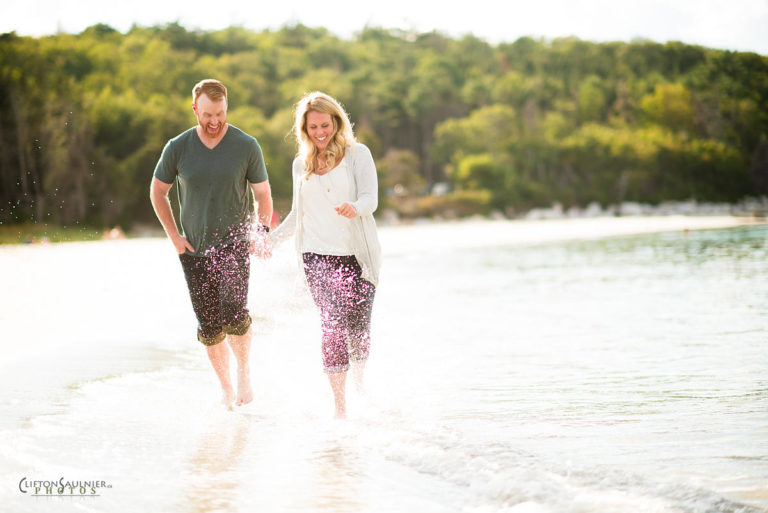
(211, 115)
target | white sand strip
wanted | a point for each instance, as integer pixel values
(482, 233)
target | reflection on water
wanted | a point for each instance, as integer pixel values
(337, 476)
(615, 375)
(213, 474)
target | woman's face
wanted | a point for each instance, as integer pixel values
(319, 128)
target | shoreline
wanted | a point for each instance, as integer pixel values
(512, 231)
(474, 233)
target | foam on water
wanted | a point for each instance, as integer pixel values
(162, 449)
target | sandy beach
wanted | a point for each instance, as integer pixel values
(478, 233)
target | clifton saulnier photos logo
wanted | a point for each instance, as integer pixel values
(62, 488)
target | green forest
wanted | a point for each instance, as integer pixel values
(504, 127)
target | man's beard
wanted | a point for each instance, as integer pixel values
(210, 134)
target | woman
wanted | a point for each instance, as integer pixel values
(335, 193)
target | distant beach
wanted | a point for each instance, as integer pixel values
(476, 232)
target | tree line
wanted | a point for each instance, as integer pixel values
(510, 126)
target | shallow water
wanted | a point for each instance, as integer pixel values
(615, 375)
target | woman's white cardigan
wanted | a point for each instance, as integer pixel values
(364, 197)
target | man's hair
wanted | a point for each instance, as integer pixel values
(210, 87)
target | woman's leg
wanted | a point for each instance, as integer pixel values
(338, 385)
(358, 322)
(326, 282)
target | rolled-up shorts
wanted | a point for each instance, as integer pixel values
(218, 288)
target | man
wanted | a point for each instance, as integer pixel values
(214, 165)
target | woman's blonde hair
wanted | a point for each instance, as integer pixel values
(340, 140)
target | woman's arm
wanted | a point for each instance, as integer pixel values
(287, 228)
(367, 182)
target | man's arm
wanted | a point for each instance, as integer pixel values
(262, 194)
(158, 195)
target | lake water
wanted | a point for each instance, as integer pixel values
(621, 374)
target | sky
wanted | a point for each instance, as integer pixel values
(725, 24)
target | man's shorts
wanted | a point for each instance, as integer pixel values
(218, 287)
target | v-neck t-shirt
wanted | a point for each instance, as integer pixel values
(213, 185)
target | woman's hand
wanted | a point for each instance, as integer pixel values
(261, 245)
(346, 210)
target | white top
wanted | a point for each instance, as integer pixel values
(363, 196)
(325, 231)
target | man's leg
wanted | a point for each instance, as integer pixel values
(219, 356)
(234, 303)
(241, 347)
(202, 282)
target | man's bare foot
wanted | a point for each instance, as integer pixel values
(228, 397)
(244, 390)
